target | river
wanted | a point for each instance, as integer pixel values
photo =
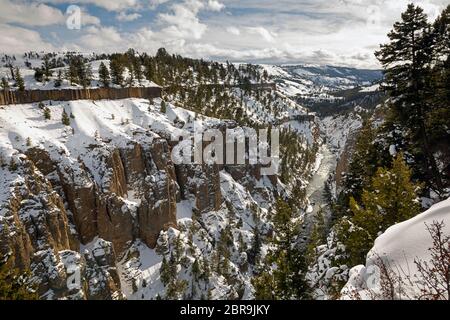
(315, 191)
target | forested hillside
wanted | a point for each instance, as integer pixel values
(400, 159)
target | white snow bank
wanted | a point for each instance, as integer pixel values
(398, 247)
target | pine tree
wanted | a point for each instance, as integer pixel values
(391, 198)
(289, 275)
(104, 75)
(65, 118)
(164, 272)
(439, 93)
(137, 68)
(364, 162)
(4, 84)
(163, 107)
(20, 83)
(255, 250)
(287, 280)
(72, 72)
(46, 68)
(162, 245)
(38, 75)
(406, 61)
(264, 286)
(85, 74)
(47, 113)
(15, 285)
(149, 71)
(59, 79)
(117, 69)
(316, 238)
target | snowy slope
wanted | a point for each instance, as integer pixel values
(98, 127)
(315, 83)
(398, 247)
(26, 70)
(338, 129)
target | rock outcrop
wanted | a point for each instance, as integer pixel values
(36, 235)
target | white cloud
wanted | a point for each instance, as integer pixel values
(156, 3)
(182, 21)
(215, 5)
(233, 30)
(127, 17)
(263, 32)
(111, 5)
(270, 31)
(29, 14)
(20, 40)
(88, 19)
(106, 38)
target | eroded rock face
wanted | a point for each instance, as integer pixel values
(201, 182)
(132, 195)
(101, 266)
(36, 235)
(69, 221)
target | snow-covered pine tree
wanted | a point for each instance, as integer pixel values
(104, 76)
(406, 60)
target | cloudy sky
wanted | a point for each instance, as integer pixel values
(339, 32)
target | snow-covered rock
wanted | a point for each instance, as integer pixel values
(397, 249)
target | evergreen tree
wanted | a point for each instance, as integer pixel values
(162, 245)
(163, 107)
(72, 72)
(164, 272)
(439, 93)
(316, 238)
(85, 74)
(20, 83)
(391, 198)
(149, 71)
(14, 285)
(59, 79)
(255, 249)
(291, 266)
(364, 162)
(65, 118)
(104, 75)
(137, 68)
(38, 75)
(47, 113)
(117, 69)
(287, 280)
(406, 60)
(46, 69)
(4, 84)
(264, 286)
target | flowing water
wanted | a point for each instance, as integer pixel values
(315, 192)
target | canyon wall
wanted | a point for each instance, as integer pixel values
(32, 96)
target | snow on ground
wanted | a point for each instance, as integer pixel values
(338, 129)
(398, 247)
(90, 123)
(372, 88)
(32, 84)
(303, 129)
(184, 210)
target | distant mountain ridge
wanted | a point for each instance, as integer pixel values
(332, 76)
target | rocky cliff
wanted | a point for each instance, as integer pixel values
(82, 206)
